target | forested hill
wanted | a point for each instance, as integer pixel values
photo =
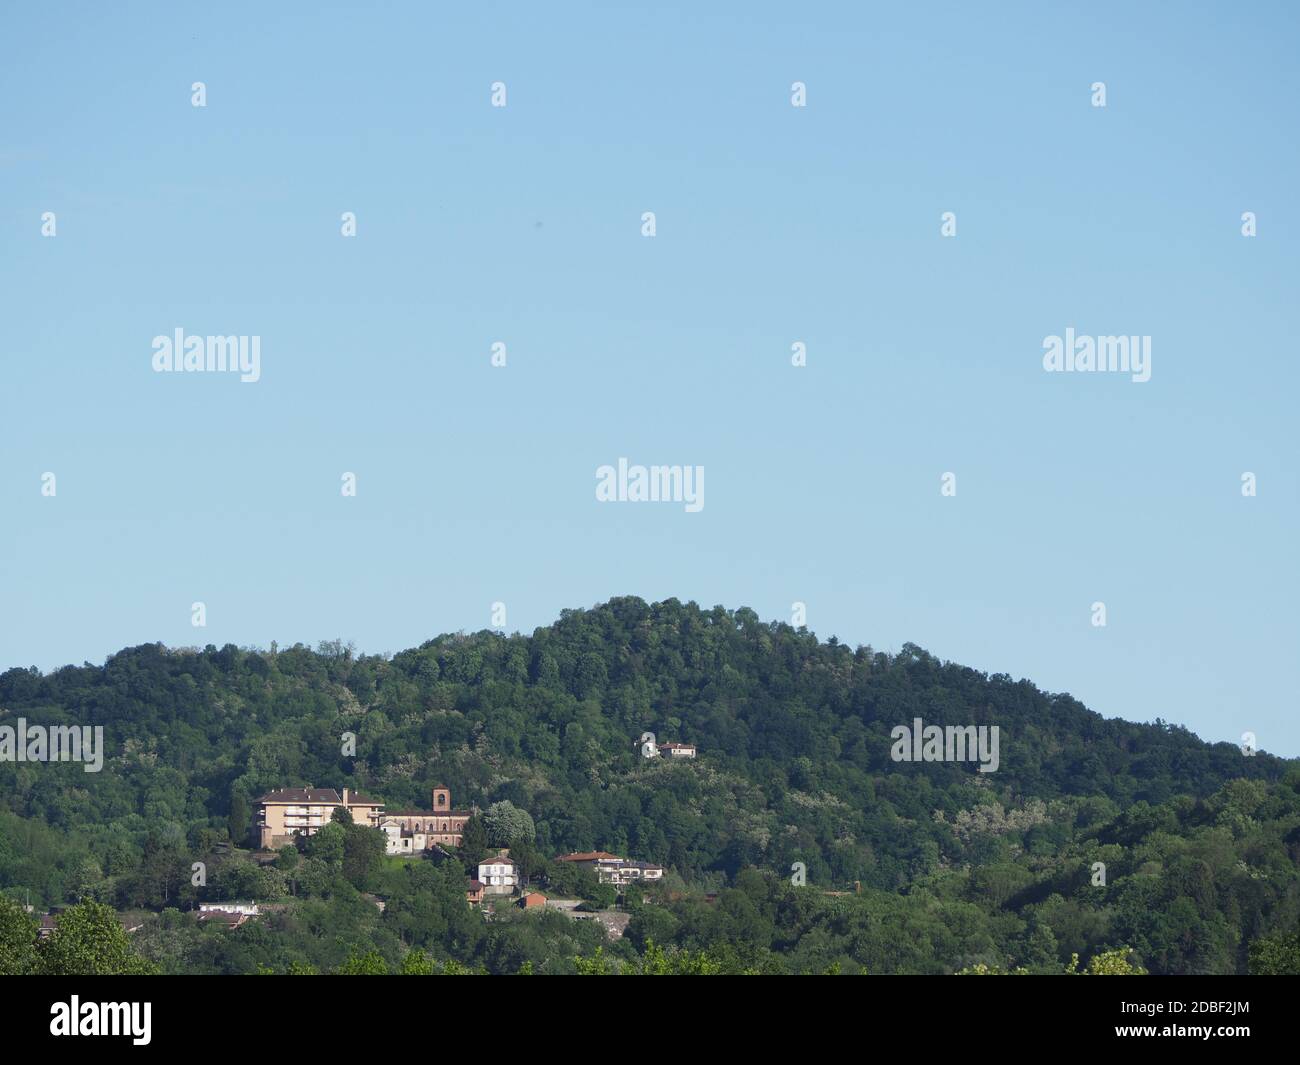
(794, 765)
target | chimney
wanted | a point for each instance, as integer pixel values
(345, 796)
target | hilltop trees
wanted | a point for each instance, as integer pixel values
(938, 868)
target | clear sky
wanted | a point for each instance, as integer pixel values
(775, 224)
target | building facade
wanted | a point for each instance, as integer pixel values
(499, 876)
(611, 869)
(441, 825)
(288, 812)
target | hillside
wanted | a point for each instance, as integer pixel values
(955, 867)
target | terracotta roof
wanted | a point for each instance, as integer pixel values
(675, 746)
(497, 861)
(230, 920)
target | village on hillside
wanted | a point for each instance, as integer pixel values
(291, 816)
(285, 814)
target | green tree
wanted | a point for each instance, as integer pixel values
(238, 821)
(657, 962)
(328, 844)
(416, 963)
(473, 843)
(363, 851)
(505, 823)
(1275, 955)
(17, 940)
(1107, 963)
(596, 965)
(371, 963)
(88, 940)
(528, 858)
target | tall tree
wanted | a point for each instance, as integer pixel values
(473, 843)
(238, 823)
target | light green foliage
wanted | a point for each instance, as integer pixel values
(367, 963)
(1276, 955)
(1107, 963)
(505, 823)
(416, 963)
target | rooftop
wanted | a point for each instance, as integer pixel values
(312, 795)
(319, 796)
(426, 813)
(589, 856)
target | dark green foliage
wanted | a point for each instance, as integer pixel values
(238, 824)
(363, 850)
(473, 844)
(940, 868)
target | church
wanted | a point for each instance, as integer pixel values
(441, 826)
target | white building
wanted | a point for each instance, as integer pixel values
(622, 872)
(248, 909)
(400, 840)
(499, 876)
(677, 750)
(611, 869)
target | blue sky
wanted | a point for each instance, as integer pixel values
(775, 224)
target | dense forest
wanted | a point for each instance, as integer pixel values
(912, 867)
